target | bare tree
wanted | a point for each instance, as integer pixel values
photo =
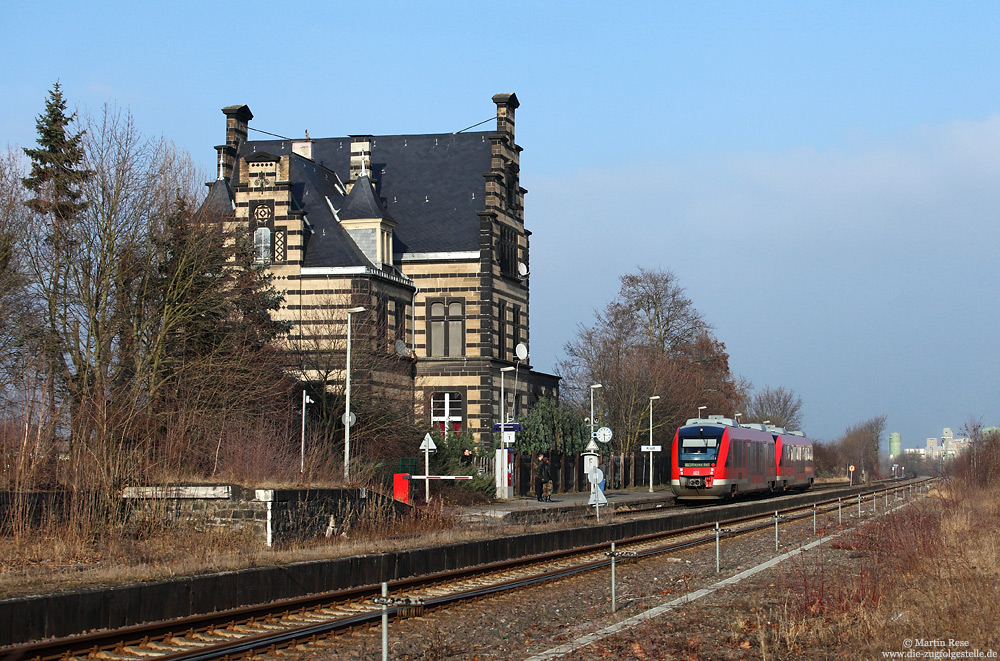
(861, 442)
(661, 315)
(381, 388)
(779, 405)
(14, 300)
(649, 341)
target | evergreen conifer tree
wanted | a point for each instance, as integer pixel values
(57, 174)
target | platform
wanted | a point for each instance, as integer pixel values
(564, 504)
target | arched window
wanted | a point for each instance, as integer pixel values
(446, 411)
(262, 245)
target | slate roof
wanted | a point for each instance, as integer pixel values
(219, 202)
(361, 202)
(431, 185)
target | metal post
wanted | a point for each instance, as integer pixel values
(347, 397)
(814, 519)
(385, 623)
(614, 606)
(502, 406)
(427, 471)
(716, 547)
(840, 513)
(775, 530)
(874, 503)
(859, 505)
(302, 452)
(651, 441)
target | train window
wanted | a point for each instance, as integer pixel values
(699, 445)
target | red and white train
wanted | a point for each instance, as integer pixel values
(717, 458)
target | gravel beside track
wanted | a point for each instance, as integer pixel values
(727, 624)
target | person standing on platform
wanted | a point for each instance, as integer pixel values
(545, 470)
(538, 477)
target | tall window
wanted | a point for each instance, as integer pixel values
(446, 411)
(507, 251)
(446, 330)
(517, 325)
(502, 330)
(262, 245)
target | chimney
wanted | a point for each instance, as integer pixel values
(361, 156)
(237, 118)
(506, 105)
(303, 148)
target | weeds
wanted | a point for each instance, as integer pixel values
(926, 571)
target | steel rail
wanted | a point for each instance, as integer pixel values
(90, 644)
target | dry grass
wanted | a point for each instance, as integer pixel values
(928, 571)
(55, 558)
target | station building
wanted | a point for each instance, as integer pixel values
(425, 232)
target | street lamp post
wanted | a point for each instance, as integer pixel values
(347, 397)
(651, 398)
(738, 416)
(592, 389)
(700, 409)
(503, 400)
(306, 399)
(504, 489)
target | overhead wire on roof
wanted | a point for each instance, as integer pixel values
(475, 125)
(250, 128)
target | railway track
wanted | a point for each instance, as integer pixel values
(280, 625)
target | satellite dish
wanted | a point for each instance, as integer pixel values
(521, 351)
(522, 269)
(400, 348)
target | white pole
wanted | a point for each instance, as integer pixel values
(385, 623)
(614, 606)
(427, 470)
(651, 441)
(347, 396)
(591, 412)
(502, 404)
(302, 451)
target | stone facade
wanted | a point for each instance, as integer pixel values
(426, 232)
(271, 515)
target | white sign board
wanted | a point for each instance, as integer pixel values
(652, 448)
(597, 497)
(508, 438)
(428, 443)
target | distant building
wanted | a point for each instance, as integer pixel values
(426, 232)
(895, 445)
(951, 447)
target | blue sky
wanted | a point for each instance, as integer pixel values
(824, 178)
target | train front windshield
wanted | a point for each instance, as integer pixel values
(699, 446)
